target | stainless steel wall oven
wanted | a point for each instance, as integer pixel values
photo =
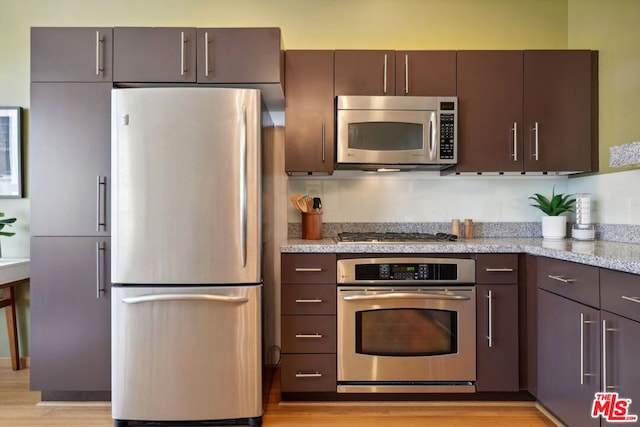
(406, 325)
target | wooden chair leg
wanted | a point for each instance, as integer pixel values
(12, 327)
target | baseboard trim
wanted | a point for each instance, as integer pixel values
(5, 362)
(549, 415)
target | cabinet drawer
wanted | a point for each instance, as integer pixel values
(497, 269)
(309, 299)
(578, 282)
(308, 372)
(309, 268)
(620, 293)
(308, 334)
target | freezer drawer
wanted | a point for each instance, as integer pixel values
(186, 353)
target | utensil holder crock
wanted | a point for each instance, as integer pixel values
(312, 225)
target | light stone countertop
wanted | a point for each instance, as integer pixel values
(611, 255)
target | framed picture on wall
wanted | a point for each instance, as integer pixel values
(10, 152)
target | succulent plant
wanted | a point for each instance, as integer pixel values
(4, 222)
(557, 204)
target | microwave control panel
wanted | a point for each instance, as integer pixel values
(447, 135)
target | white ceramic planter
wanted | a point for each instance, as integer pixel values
(554, 227)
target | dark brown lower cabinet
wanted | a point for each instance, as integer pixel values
(568, 358)
(71, 317)
(497, 357)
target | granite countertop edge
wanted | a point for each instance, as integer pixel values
(611, 255)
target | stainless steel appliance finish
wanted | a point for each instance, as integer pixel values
(396, 132)
(401, 329)
(186, 353)
(390, 237)
(186, 261)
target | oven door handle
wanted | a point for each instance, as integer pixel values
(406, 295)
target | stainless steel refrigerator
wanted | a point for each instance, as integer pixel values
(186, 260)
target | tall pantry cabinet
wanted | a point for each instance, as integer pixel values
(71, 81)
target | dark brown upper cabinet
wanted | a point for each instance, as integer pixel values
(154, 54)
(560, 110)
(239, 55)
(71, 54)
(365, 72)
(490, 111)
(309, 134)
(527, 111)
(426, 73)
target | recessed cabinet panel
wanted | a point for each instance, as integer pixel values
(71, 54)
(365, 72)
(426, 73)
(154, 54)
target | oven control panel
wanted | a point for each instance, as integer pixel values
(422, 270)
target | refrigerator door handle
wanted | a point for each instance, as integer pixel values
(243, 188)
(185, 297)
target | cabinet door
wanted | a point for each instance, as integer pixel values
(365, 72)
(70, 314)
(426, 73)
(71, 54)
(490, 106)
(239, 55)
(558, 107)
(497, 335)
(309, 134)
(70, 155)
(568, 366)
(620, 359)
(154, 54)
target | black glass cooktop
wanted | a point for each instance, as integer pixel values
(347, 237)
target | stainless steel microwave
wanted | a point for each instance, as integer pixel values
(396, 132)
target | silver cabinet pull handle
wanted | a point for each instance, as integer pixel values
(313, 336)
(308, 270)
(605, 386)
(308, 301)
(499, 270)
(98, 41)
(206, 54)
(406, 74)
(536, 129)
(243, 188)
(184, 297)
(101, 204)
(100, 250)
(308, 375)
(490, 322)
(515, 141)
(323, 142)
(384, 88)
(582, 323)
(182, 41)
(561, 279)
(632, 299)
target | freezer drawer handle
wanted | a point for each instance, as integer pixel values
(184, 297)
(313, 301)
(308, 375)
(308, 270)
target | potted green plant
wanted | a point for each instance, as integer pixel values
(554, 224)
(3, 223)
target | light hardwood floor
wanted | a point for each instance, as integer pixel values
(19, 408)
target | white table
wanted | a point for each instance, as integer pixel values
(13, 272)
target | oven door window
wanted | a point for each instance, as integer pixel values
(406, 332)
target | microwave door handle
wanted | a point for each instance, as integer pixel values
(432, 135)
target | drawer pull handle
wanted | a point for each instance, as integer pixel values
(308, 270)
(310, 301)
(499, 270)
(308, 335)
(561, 279)
(632, 299)
(308, 374)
